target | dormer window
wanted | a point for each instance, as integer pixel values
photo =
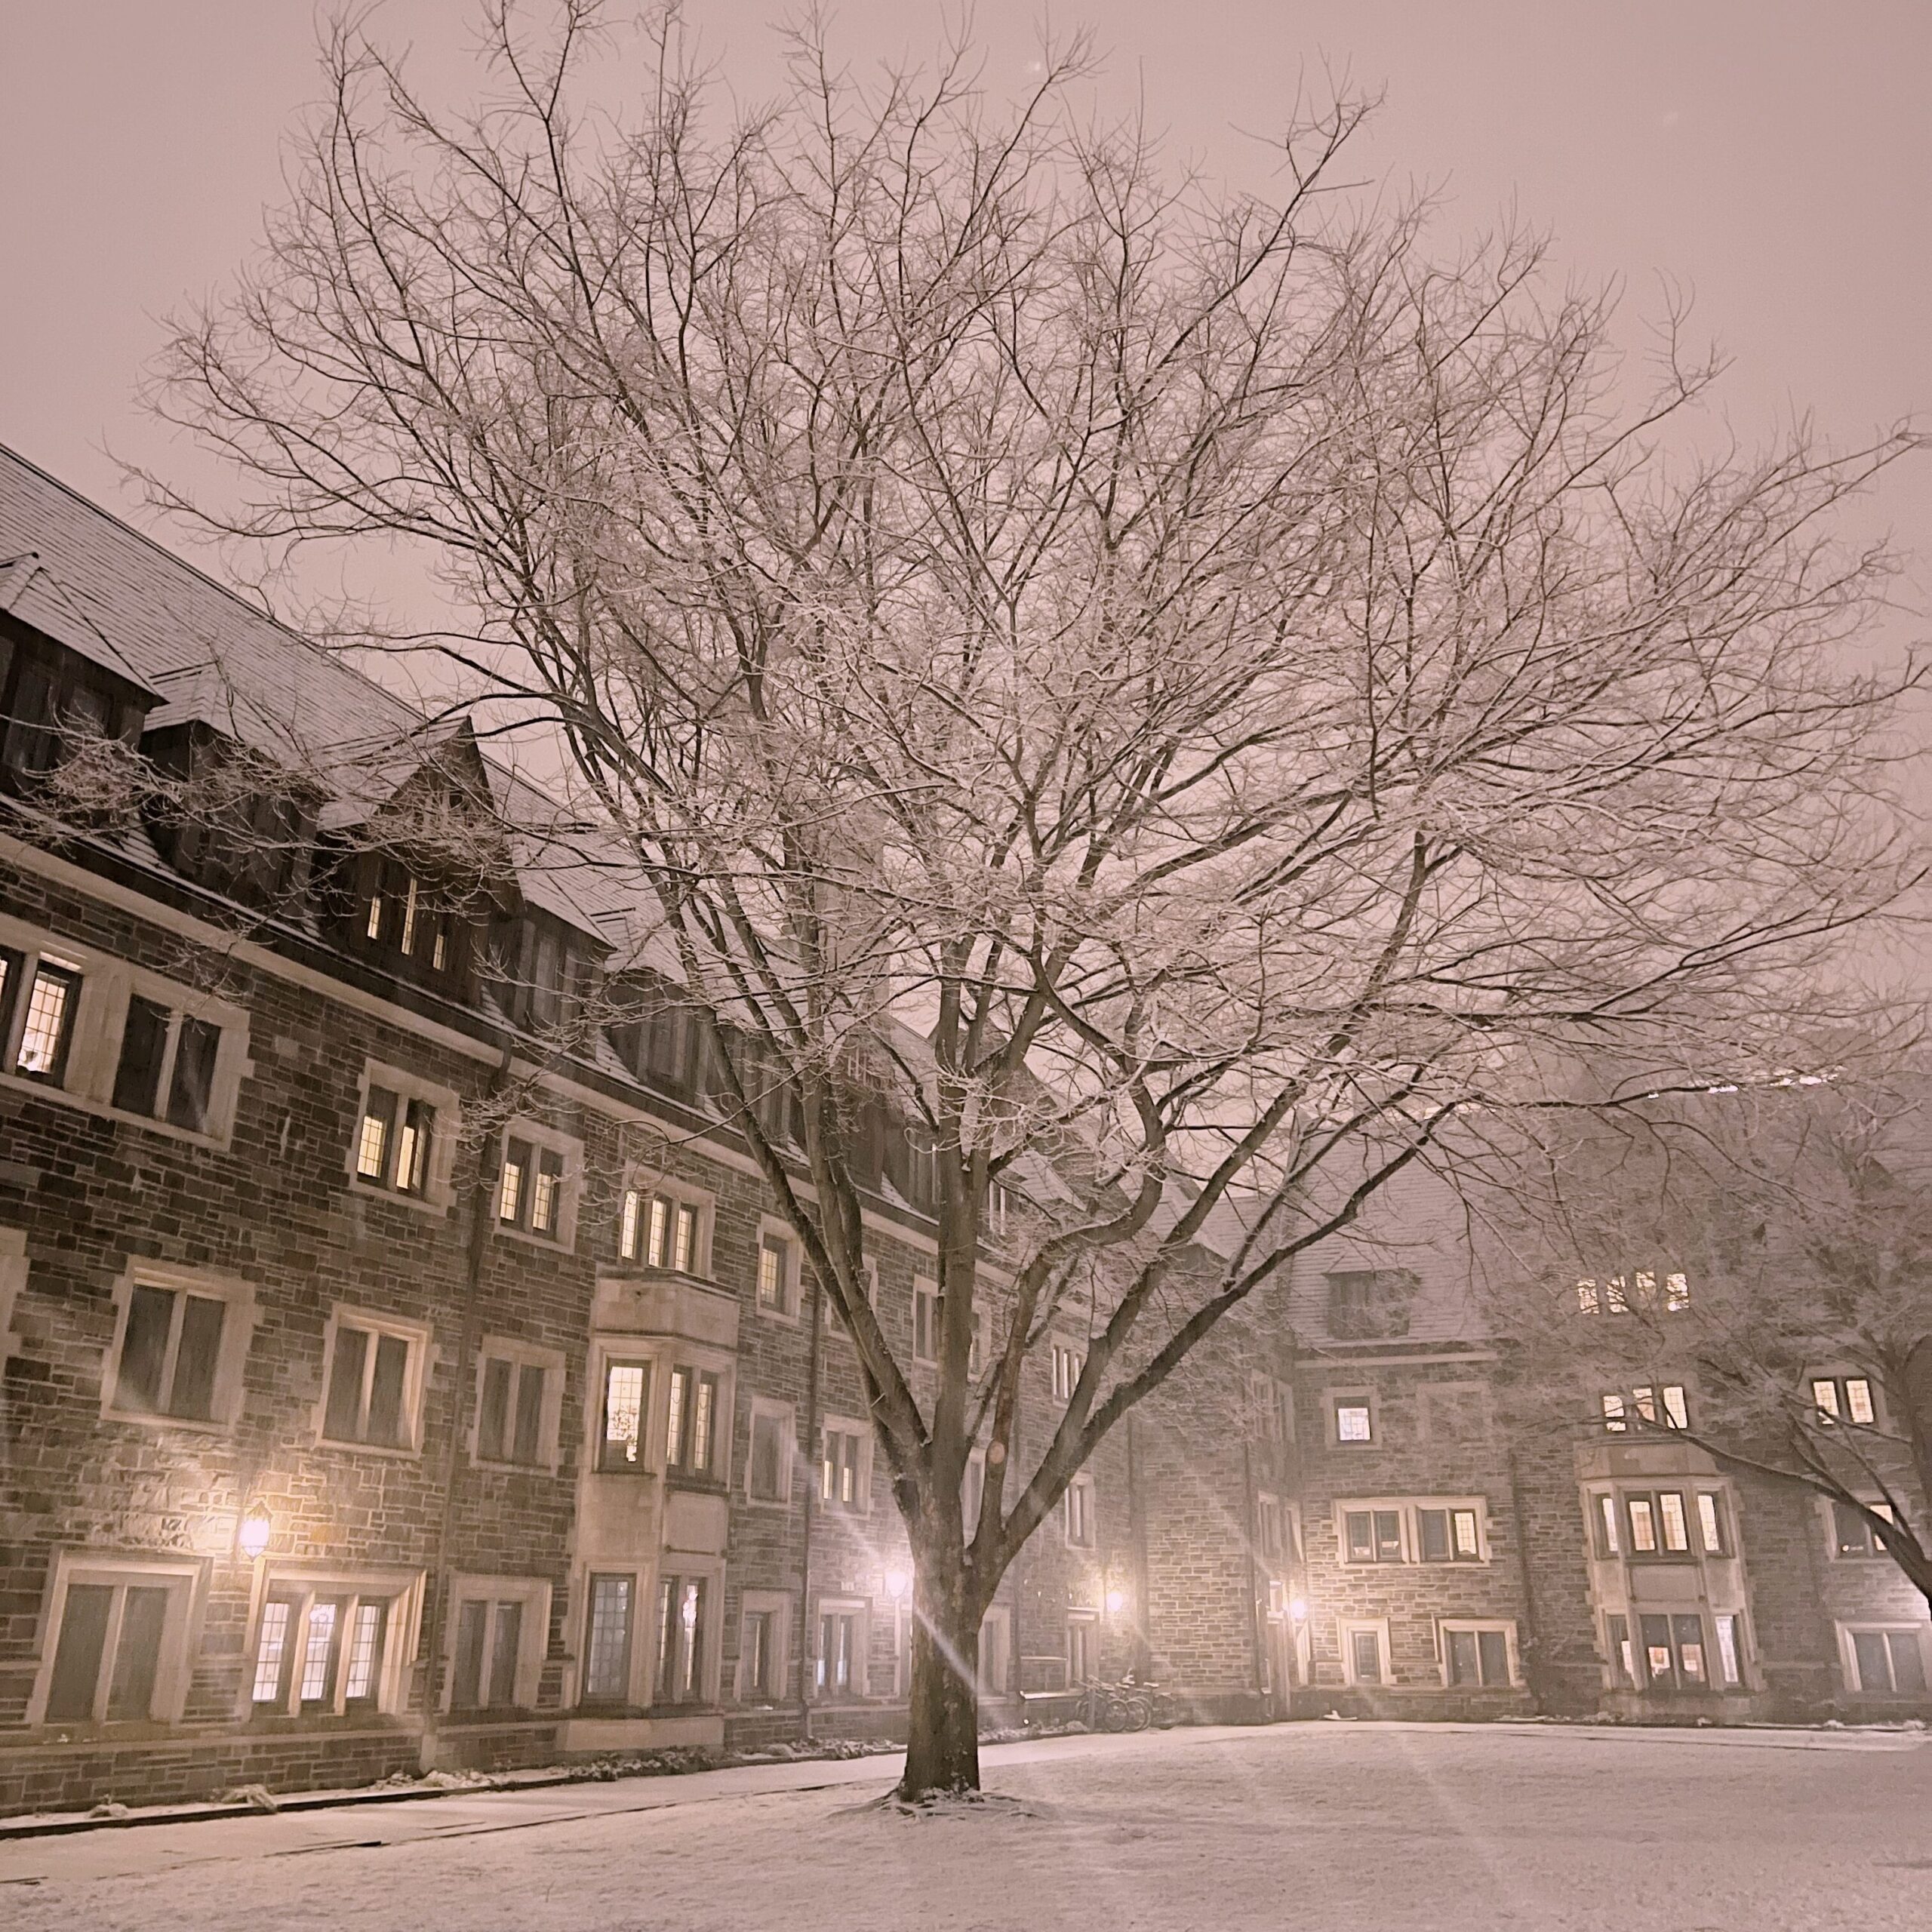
(402, 916)
(51, 696)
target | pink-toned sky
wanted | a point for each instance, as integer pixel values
(1774, 157)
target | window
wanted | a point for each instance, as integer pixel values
(1476, 1656)
(1730, 1628)
(1603, 1523)
(1710, 1523)
(118, 1652)
(1666, 1406)
(777, 1275)
(1843, 1398)
(1623, 1655)
(661, 1230)
(178, 1354)
(999, 1211)
(167, 1066)
(39, 996)
(1374, 1535)
(1674, 1651)
(607, 1644)
(519, 1392)
(1370, 1304)
(844, 1469)
(335, 1644)
(840, 1671)
(1854, 1534)
(1268, 1528)
(766, 1621)
(374, 1379)
(1068, 1364)
(768, 1468)
(681, 1639)
(1354, 1422)
(1365, 1653)
(1647, 1289)
(626, 1397)
(972, 1491)
(1888, 1662)
(392, 1150)
(405, 1141)
(691, 1426)
(1659, 1524)
(1448, 1536)
(1079, 1506)
(925, 1322)
(995, 1652)
(1083, 1649)
(496, 1652)
(529, 1188)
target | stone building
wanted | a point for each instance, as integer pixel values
(383, 1384)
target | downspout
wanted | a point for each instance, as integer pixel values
(469, 1339)
(811, 1513)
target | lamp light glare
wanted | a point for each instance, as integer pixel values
(1298, 1609)
(252, 1536)
(897, 1584)
(1116, 1601)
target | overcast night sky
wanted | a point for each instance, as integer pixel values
(1771, 157)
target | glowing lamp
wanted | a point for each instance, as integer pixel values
(1298, 1610)
(1116, 1601)
(897, 1584)
(252, 1535)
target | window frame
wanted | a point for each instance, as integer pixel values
(545, 1143)
(402, 1590)
(583, 1697)
(1409, 1511)
(775, 1235)
(418, 1336)
(1335, 1402)
(521, 1355)
(1479, 1627)
(1079, 1522)
(706, 1575)
(685, 1410)
(1853, 1676)
(851, 1429)
(1830, 1507)
(238, 1298)
(647, 1188)
(1347, 1628)
(185, 1578)
(782, 1416)
(438, 1191)
(777, 1605)
(1842, 1383)
(1066, 1364)
(532, 1595)
(858, 1674)
(925, 1291)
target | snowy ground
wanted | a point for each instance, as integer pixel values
(1372, 1828)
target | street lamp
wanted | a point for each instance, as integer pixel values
(252, 1533)
(1298, 1610)
(1116, 1602)
(897, 1584)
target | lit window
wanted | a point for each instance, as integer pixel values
(691, 1424)
(774, 1272)
(1608, 1543)
(841, 1473)
(681, 1635)
(38, 997)
(1730, 1650)
(393, 1141)
(659, 1231)
(1352, 1422)
(624, 1386)
(1710, 1523)
(529, 1190)
(606, 1669)
(1843, 1399)
(322, 1649)
(1614, 1418)
(1676, 1410)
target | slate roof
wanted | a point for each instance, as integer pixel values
(115, 595)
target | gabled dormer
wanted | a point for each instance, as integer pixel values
(61, 677)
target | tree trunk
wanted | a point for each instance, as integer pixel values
(943, 1743)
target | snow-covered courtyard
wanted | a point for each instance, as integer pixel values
(1372, 1828)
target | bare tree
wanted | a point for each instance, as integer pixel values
(1772, 1249)
(1185, 689)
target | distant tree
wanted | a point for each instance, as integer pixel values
(1770, 1251)
(1184, 691)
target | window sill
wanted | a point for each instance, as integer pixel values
(698, 1485)
(501, 1467)
(188, 1425)
(435, 1206)
(390, 1453)
(544, 1243)
(785, 1318)
(66, 1097)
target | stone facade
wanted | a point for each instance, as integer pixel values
(338, 1435)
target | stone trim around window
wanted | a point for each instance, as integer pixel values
(1479, 1627)
(778, 1235)
(545, 1140)
(237, 1297)
(767, 1415)
(520, 1354)
(183, 1577)
(105, 987)
(401, 1589)
(642, 1186)
(777, 1606)
(13, 1284)
(439, 1193)
(533, 1595)
(1347, 1628)
(418, 1337)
